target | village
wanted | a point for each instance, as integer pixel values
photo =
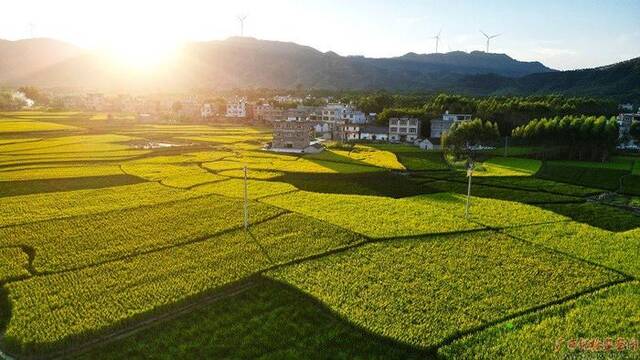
(298, 127)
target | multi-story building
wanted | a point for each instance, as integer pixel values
(353, 116)
(374, 133)
(349, 132)
(625, 121)
(96, 102)
(404, 129)
(208, 111)
(628, 107)
(441, 126)
(295, 137)
(333, 113)
(237, 108)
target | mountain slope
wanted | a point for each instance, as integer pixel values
(247, 62)
(20, 58)
(620, 81)
(251, 63)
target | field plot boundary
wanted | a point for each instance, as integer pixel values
(228, 290)
(460, 334)
(234, 288)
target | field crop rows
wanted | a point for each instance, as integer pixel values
(267, 321)
(128, 232)
(616, 250)
(13, 264)
(596, 322)
(360, 259)
(45, 308)
(423, 291)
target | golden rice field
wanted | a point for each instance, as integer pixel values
(110, 248)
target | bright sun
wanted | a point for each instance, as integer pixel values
(142, 53)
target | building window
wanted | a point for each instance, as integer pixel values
(412, 130)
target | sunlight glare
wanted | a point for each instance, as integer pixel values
(142, 53)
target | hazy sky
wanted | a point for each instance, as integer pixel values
(565, 34)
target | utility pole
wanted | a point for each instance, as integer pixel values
(469, 175)
(246, 201)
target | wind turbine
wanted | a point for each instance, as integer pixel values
(242, 18)
(437, 37)
(32, 30)
(489, 37)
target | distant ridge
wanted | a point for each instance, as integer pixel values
(243, 62)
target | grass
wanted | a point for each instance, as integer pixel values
(302, 165)
(515, 182)
(505, 166)
(270, 321)
(423, 291)
(97, 238)
(522, 196)
(181, 176)
(45, 308)
(595, 177)
(11, 126)
(368, 262)
(45, 206)
(13, 264)
(60, 172)
(235, 188)
(360, 154)
(426, 160)
(560, 331)
(517, 150)
(376, 216)
(597, 215)
(631, 185)
(615, 250)
(27, 187)
(615, 163)
(381, 183)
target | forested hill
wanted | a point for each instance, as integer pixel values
(619, 81)
(251, 63)
(247, 62)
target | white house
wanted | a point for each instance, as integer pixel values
(628, 107)
(237, 108)
(353, 116)
(429, 144)
(624, 123)
(439, 127)
(207, 111)
(374, 133)
(333, 112)
(350, 132)
(404, 129)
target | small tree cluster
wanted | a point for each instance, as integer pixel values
(634, 132)
(585, 137)
(468, 134)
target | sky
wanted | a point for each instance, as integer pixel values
(562, 34)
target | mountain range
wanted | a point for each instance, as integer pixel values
(242, 62)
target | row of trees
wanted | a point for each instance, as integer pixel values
(508, 112)
(580, 137)
(468, 134)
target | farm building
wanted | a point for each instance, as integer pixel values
(375, 133)
(404, 129)
(294, 136)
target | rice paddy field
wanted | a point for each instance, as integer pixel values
(112, 247)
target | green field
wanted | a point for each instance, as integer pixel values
(112, 248)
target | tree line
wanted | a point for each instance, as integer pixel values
(578, 137)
